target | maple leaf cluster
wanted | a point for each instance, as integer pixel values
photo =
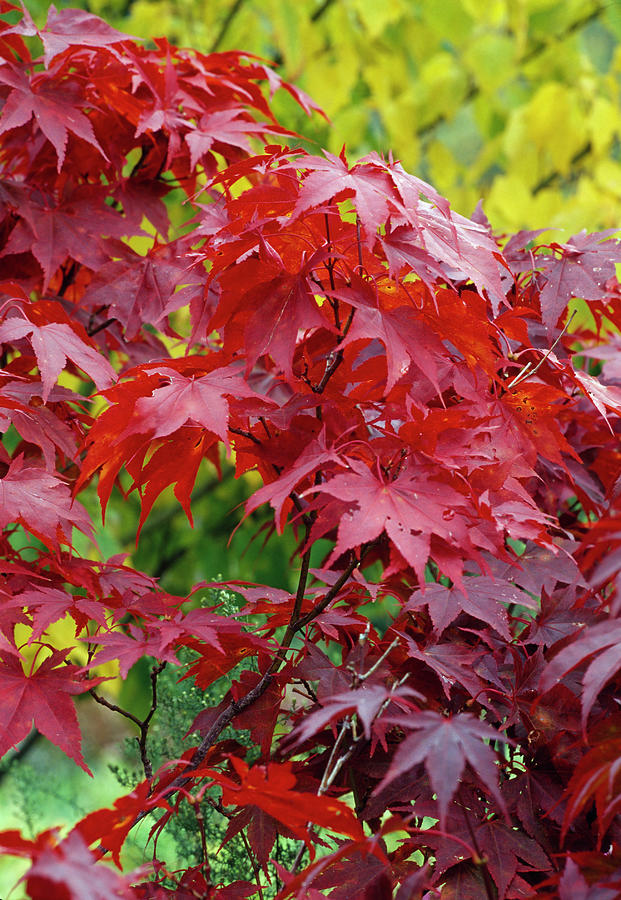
(428, 416)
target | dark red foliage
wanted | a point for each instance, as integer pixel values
(409, 392)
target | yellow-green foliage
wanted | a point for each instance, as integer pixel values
(514, 101)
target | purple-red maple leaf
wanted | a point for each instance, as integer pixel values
(445, 745)
(56, 109)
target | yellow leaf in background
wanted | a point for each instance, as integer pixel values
(491, 12)
(376, 16)
(443, 167)
(544, 136)
(607, 177)
(603, 124)
(491, 60)
(331, 81)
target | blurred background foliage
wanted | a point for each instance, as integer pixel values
(515, 102)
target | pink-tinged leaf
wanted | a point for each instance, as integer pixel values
(480, 597)
(331, 177)
(41, 503)
(573, 886)
(56, 231)
(410, 508)
(76, 28)
(586, 264)
(129, 648)
(445, 745)
(37, 425)
(50, 605)
(301, 97)
(226, 126)
(70, 871)
(42, 698)
(142, 290)
(53, 345)
(603, 396)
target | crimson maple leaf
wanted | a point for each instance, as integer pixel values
(185, 398)
(313, 458)
(56, 229)
(76, 28)
(330, 178)
(272, 789)
(479, 597)
(35, 423)
(42, 697)
(69, 870)
(111, 826)
(142, 289)
(586, 263)
(129, 648)
(406, 337)
(272, 302)
(367, 701)
(601, 641)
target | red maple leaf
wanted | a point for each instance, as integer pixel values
(479, 597)
(41, 697)
(586, 263)
(41, 503)
(409, 508)
(56, 229)
(76, 28)
(69, 871)
(272, 789)
(56, 108)
(201, 399)
(598, 645)
(53, 344)
(367, 701)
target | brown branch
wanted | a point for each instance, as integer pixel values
(329, 597)
(142, 724)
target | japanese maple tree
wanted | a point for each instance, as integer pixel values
(419, 404)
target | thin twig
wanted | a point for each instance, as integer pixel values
(142, 724)
(526, 372)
